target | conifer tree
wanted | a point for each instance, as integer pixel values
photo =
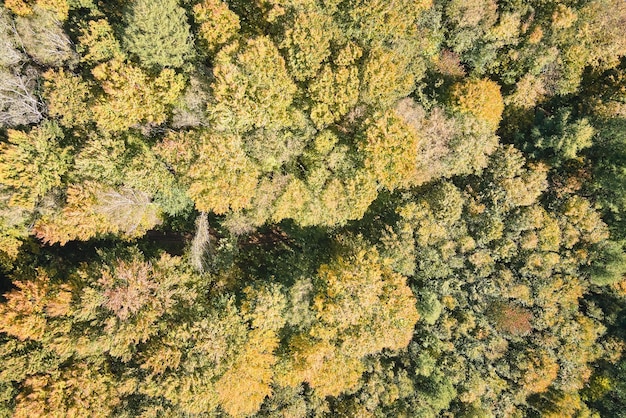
(157, 32)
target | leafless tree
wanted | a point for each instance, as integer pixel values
(43, 38)
(201, 243)
(131, 211)
(19, 104)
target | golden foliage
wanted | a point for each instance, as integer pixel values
(381, 21)
(335, 92)
(25, 7)
(97, 42)
(221, 176)
(82, 389)
(132, 97)
(92, 209)
(24, 313)
(307, 42)
(361, 307)
(245, 385)
(218, 24)
(480, 98)
(19, 7)
(67, 96)
(386, 77)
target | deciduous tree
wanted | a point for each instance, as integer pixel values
(132, 97)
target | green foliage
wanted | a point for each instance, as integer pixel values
(609, 172)
(252, 87)
(503, 245)
(32, 164)
(609, 264)
(335, 190)
(559, 137)
(157, 32)
(121, 187)
(469, 25)
(364, 246)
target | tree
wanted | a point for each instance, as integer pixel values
(252, 87)
(335, 93)
(527, 270)
(306, 41)
(42, 37)
(447, 145)
(157, 32)
(336, 187)
(608, 172)
(360, 307)
(219, 175)
(218, 24)
(33, 164)
(97, 42)
(390, 148)
(117, 185)
(28, 7)
(19, 102)
(363, 245)
(93, 209)
(80, 389)
(383, 23)
(469, 26)
(68, 98)
(480, 98)
(132, 97)
(386, 77)
(10, 55)
(557, 138)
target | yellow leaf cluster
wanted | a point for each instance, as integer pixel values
(132, 97)
(480, 98)
(218, 24)
(25, 7)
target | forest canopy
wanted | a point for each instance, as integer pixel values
(313, 208)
